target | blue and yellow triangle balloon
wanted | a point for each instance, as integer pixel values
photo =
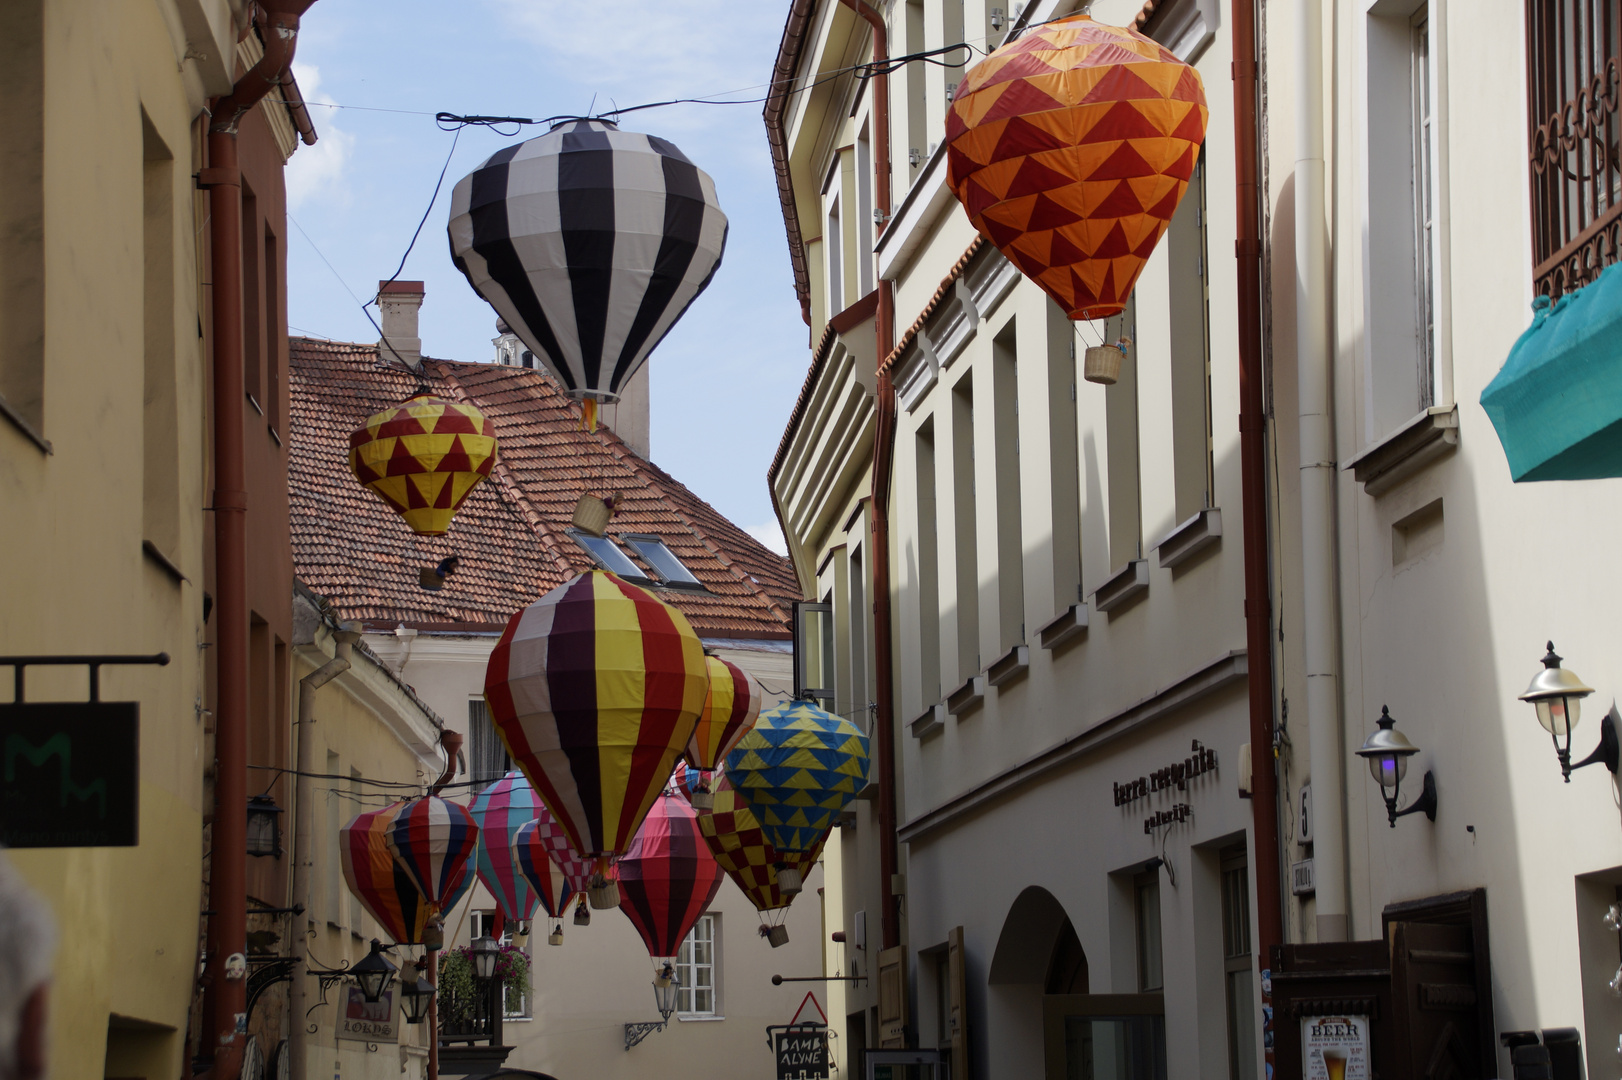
(796, 770)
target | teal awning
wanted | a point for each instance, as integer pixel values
(1557, 403)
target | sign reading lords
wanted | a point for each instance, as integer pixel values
(367, 1021)
(1335, 1048)
(69, 772)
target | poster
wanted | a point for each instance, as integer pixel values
(1335, 1048)
(367, 1021)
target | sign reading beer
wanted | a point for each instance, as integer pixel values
(367, 1021)
(1335, 1048)
(69, 774)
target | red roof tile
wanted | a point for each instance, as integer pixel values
(350, 547)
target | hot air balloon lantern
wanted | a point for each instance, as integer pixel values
(546, 879)
(739, 845)
(668, 878)
(595, 690)
(500, 811)
(797, 769)
(433, 841)
(730, 709)
(382, 885)
(590, 242)
(1070, 148)
(424, 457)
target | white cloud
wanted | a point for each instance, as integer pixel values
(770, 535)
(319, 170)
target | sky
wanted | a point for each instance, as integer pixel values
(725, 379)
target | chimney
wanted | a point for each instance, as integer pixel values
(398, 303)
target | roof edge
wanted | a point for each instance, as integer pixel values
(789, 52)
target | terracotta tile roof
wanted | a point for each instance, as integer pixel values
(934, 304)
(351, 548)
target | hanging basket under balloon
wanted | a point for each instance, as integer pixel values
(591, 515)
(1102, 364)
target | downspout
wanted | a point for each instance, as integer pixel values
(1253, 467)
(1320, 645)
(225, 1024)
(452, 742)
(304, 826)
(883, 455)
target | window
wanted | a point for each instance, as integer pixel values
(273, 333)
(860, 695)
(864, 214)
(608, 556)
(1064, 460)
(1190, 280)
(335, 873)
(253, 341)
(963, 517)
(657, 554)
(814, 650)
(22, 213)
(695, 967)
(514, 1006)
(1146, 902)
(1121, 434)
(917, 75)
(487, 759)
(1571, 46)
(1010, 528)
(1420, 95)
(929, 601)
(1238, 964)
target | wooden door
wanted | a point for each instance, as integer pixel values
(1433, 990)
(893, 999)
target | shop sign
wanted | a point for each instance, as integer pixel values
(70, 774)
(1201, 761)
(360, 1020)
(801, 1053)
(1335, 1048)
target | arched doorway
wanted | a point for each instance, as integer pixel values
(1037, 953)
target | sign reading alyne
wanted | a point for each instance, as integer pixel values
(802, 1054)
(70, 774)
(367, 1021)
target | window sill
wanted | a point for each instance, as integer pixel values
(1428, 437)
(931, 721)
(1123, 587)
(967, 697)
(1015, 663)
(1069, 626)
(1199, 533)
(707, 1019)
(163, 562)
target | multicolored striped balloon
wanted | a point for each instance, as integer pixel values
(797, 768)
(739, 845)
(500, 810)
(730, 709)
(541, 872)
(595, 690)
(423, 457)
(381, 884)
(668, 878)
(433, 841)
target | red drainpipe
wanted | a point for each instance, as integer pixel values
(452, 742)
(1253, 466)
(883, 454)
(225, 1022)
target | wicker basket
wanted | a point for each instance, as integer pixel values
(603, 895)
(591, 515)
(777, 936)
(1103, 364)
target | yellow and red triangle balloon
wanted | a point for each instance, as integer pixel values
(1070, 148)
(423, 457)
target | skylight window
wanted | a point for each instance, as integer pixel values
(610, 557)
(657, 554)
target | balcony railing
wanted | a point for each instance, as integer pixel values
(475, 1020)
(1574, 81)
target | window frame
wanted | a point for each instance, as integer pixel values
(1142, 884)
(584, 542)
(636, 542)
(686, 970)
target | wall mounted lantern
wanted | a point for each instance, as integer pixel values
(264, 826)
(375, 974)
(665, 985)
(416, 995)
(485, 954)
(1558, 695)
(1387, 751)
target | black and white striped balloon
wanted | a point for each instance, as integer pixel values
(590, 242)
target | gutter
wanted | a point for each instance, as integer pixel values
(224, 1030)
(788, 61)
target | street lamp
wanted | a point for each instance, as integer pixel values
(416, 995)
(1387, 751)
(1558, 695)
(485, 954)
(264, 826)
(375, 974)
(665, 985)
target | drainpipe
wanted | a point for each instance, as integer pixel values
(883, 454)
(452, 742)
(1253, 469)
(303, 825)
(1320, 643)
(225, 1023)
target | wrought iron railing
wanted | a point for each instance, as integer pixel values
(1574, 82)
(475, 1019)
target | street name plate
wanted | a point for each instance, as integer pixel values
(70, 772)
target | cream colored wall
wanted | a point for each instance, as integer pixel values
(77, 579)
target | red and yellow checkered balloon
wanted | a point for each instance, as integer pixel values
(739, 845)
(423, 457)
(1070, 148)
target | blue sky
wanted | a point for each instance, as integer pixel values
(725, 379)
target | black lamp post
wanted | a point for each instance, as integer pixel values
(375, 974)
(264, 826)
(485, 954)
(1387, 751)
(1558, 695)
